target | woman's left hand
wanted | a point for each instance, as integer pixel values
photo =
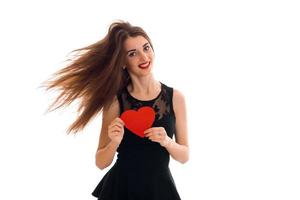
(158, 134)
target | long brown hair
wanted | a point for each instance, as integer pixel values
(95, 74)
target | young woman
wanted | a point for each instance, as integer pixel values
(114, 75)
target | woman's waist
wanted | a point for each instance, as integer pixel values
(143, 158)
(154, 156)
(142, 165)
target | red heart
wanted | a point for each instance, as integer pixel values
(138, 121)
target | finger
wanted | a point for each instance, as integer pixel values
(153, 134)
(115, 130)
(159, 137)
(113, 133)
(148, 130)
(119, 120)
(160, 133)
(116, 124)
(148, 134)
(153, 139)
(116, 133)
(156, 128)
(119, 125)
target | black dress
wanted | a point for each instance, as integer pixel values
(141, 171)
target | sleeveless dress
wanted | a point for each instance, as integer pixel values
(141, 171)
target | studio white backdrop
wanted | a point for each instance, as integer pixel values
(236, 62)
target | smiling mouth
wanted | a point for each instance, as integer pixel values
(144, 65)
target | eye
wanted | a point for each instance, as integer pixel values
(131, 54)
(147, 48)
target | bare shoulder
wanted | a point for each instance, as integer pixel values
(178, 100)
(113, 108)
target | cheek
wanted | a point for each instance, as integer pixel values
(152, 55)
(129, 62)
(133, 62)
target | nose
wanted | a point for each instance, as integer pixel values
(143, 57)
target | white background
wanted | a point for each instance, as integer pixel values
(236, 62)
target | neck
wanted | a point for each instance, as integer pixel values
(144, 86)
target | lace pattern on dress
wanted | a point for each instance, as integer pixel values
(161, 104)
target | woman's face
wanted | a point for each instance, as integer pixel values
(139, 55)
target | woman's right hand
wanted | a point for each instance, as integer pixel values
(116, 130)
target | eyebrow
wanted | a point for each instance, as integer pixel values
(135, 49)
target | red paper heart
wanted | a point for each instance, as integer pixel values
(138, 121)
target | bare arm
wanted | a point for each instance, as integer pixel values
(179, 150)
(106, 148)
